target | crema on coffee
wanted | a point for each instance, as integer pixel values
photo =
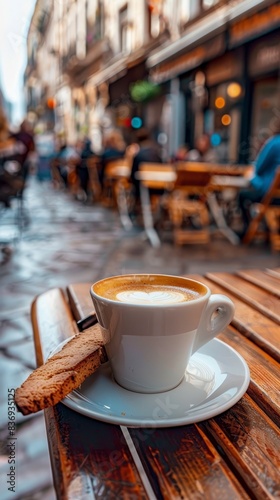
(148, 290)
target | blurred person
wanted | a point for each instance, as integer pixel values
(148, 153)
(203, 152)
(4, 127)
(82, 169)
(114, 147)
(12, 156)
(46, 147)
(66, 158)
(25, 135)
(267, 161)
(181, 154)
(61, 165)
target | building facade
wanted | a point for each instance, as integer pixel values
(180, 67)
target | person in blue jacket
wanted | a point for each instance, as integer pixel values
(267, 161)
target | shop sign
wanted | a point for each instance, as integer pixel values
(247, 28)
(225, 68)
(192, 59)
(265, 57)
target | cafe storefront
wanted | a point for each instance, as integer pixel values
(227, 86)
(259, 37)
(264, 68)
(185, 92)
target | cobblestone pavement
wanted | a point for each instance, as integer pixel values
(66, 241)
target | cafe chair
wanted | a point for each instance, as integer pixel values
(156, 184)
(57, 179)
(188, 207)
(114, 171)
(117, 188)
(267, 210)
(272, 218)
(93, 165)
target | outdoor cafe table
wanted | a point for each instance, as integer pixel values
(233, 455)
(224, 178)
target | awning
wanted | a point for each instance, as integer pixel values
(110, 73)
(204, 29)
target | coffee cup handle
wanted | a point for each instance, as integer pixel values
(218, 314)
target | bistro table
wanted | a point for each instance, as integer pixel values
(223, 178)
(233, 455)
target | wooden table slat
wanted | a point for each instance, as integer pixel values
(267, 279)
(264, 373)
(182, 463)
(80, 300)
(248, 321)
(245, 443)
(258, 298)
(274, 272)
(91, 458)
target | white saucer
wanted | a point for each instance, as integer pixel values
(215, 379)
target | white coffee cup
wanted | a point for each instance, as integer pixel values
(153, 323)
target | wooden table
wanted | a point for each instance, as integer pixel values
(235, 455)
(224, 177)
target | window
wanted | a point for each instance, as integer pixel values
(124, 29)
(189, 9)
(206, 4)
(148, 22)
(94, 22)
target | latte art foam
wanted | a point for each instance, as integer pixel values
(146, 294)
(149, 289)
(157, 297)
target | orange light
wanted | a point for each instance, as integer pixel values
(220, 102)
(154, 5)
(51, 103)
(226, 120)
(234, 90)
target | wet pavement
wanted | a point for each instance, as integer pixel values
(66, 241)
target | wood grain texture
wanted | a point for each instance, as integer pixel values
(264, 372)
(265, 279)
(80, 300)
(182, 463)
(90, 458)
(250, 443)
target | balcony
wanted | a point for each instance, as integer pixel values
(93, 34)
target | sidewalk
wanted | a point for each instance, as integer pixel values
(66, 241)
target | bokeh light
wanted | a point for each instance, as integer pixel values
(136, 122)
(234, 90)
(220, 102)
(216, 140)
(226, 120)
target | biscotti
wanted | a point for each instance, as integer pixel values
(62, 373)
